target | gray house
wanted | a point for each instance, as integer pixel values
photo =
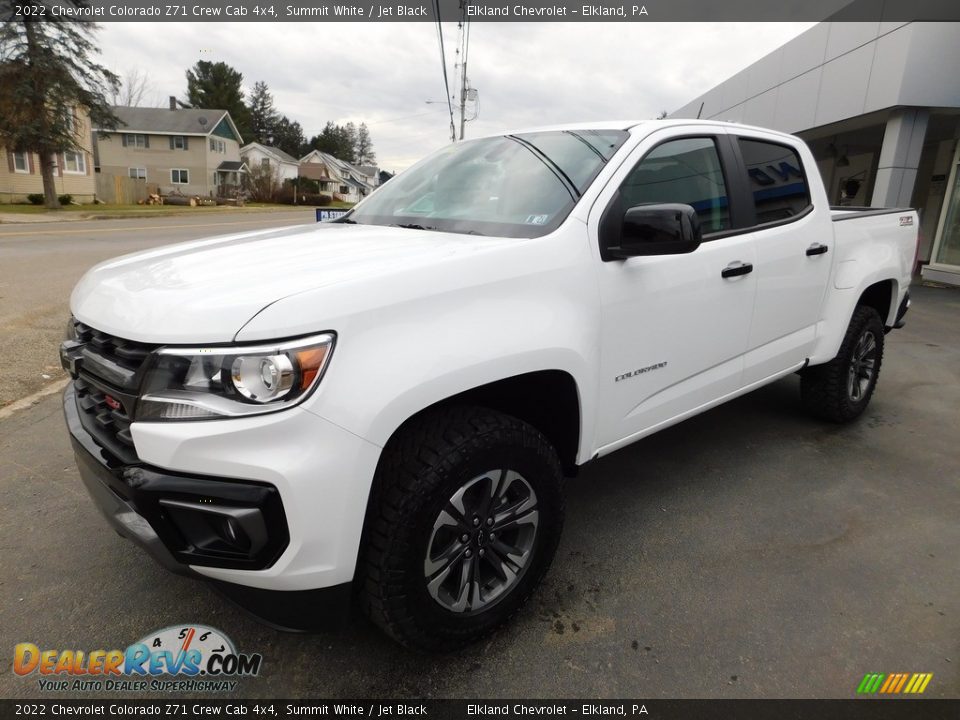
(187, 150)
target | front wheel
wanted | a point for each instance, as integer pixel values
(841, 389)
(463, 524)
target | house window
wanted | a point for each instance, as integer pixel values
(137, 173)
(75, 162)
(179, 177)
(135, 141)
(20, 162)
(344, 190)
(218, 146)
(265, 162)
(179, 142)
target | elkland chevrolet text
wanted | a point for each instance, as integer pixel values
(383, 407)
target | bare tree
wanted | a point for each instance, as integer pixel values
(263, 182)
(134, 88)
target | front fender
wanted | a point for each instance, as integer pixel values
(414, 339)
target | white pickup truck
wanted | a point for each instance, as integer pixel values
(383, 407)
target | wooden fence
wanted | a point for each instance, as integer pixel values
(119, 190)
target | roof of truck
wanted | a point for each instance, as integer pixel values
(630, 124)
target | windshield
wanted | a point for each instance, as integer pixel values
(510, 186)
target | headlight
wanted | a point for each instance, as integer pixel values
(217, 382)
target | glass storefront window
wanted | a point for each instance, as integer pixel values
(949, 246)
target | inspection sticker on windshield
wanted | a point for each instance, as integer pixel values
(537, 219)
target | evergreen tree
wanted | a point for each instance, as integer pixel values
(335, 140)
(263, 116)
(217, 86)
(350, 142)
(288, 136)
(48, 70)
(364, 148)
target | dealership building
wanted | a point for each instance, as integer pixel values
(879, 105)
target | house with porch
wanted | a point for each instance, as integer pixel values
(336, 177)
(188, 151)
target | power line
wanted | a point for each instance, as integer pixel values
(443, 64)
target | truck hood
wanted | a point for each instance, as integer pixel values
(205, 291)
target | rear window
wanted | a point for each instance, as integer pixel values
(776, 180)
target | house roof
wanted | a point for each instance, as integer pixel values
(182, 121)
(270, 150)
(231, 166)
(350, 174)
(368, 170)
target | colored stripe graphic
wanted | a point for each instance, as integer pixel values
(918, 683)
(894, 683)
(870, 683)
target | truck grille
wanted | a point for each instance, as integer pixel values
(107, 382)
(126, 353)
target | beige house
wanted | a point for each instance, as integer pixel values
(188, 151)
(73, 175)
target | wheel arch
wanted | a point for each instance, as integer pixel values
(549, 400)
(882, 297)
(878, 291)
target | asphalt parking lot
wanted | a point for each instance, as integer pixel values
(748, 552)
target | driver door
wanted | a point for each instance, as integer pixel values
(674, 327)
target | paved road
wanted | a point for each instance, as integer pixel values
(40, 264)
(749, 552)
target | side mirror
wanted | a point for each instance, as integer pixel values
(657, 229)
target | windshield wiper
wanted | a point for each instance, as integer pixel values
(345, 221)
(411, 226)
(588, 144)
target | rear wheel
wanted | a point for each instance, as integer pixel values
(841, 389)
(464, 522)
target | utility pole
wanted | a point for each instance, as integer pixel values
(463, 81)
(462, 51)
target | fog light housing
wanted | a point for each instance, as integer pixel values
(218, 530)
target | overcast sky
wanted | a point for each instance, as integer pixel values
(382, 73)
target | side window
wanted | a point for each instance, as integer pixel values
(776, 180)
(682, 171)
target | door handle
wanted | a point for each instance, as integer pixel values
(736, 268)
(816, 249)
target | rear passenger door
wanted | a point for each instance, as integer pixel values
(794, 250)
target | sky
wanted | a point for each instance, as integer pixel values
(526, 74)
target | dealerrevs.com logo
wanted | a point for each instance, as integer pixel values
(179, 658)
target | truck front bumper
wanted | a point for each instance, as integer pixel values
(270, 508)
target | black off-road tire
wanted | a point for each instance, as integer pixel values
(824, 389)
(421, 468)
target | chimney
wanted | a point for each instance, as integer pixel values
(173, 102)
